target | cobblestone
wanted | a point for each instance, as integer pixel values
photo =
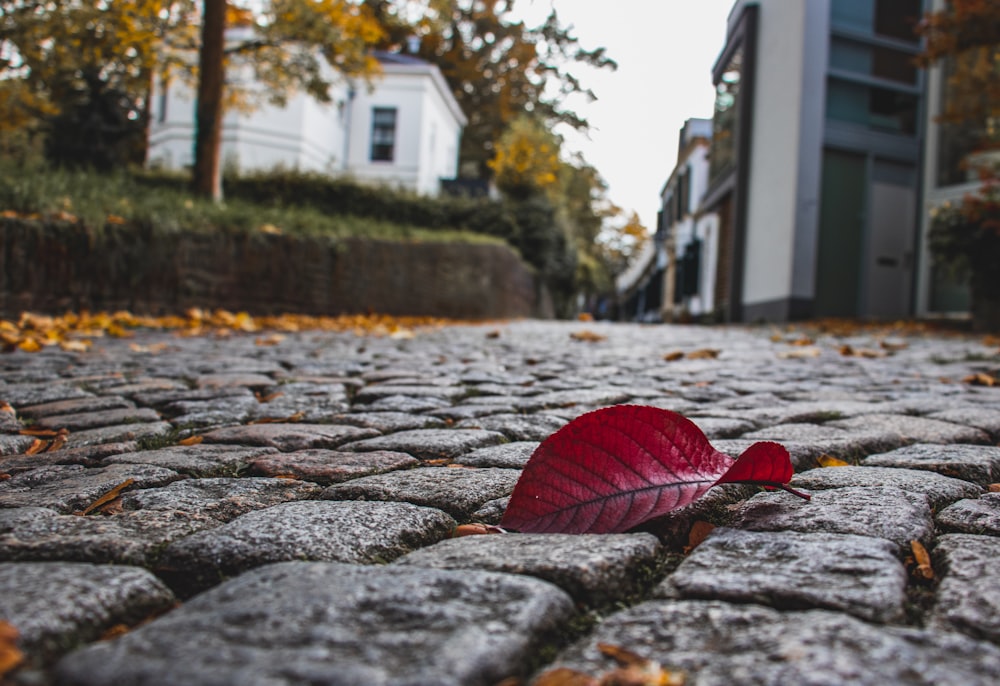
(308, 465)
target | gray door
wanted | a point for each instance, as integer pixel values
(889, 249)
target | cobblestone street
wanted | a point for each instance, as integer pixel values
(259, 509)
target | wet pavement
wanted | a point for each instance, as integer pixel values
(264, 510)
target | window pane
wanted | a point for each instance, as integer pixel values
(897, 19)
(725, 120)
(853, 14)
(872, 60)
(881, 109)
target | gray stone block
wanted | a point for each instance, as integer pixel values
(979, 516)
(979, 464)
(58, 606)
(915, 429)
(431, 444)
(968, 597)
(69, 488)
(789, 570)
(330, 623)
(940, 490)
(719, 644)
(594, 569)
(196, 460)
(289, 437)
(512, 455)
(881, 512)
(459, 492)
(351, 531)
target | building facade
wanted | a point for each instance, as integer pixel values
(691, 238)
(815, 161)
(404, 131)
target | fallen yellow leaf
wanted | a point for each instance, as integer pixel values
(10, 655)
(191, 440)
(831, 461)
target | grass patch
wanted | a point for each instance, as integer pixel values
(98, 200)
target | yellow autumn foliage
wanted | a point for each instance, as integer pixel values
(526, 158)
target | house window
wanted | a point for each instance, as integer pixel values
(383, 134)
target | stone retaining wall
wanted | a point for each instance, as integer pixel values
(60, 266)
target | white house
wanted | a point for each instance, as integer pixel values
(403, 132)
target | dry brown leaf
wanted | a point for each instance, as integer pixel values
(564, 676)
(115, 219)
(673, 356)
(587, 336)
(846, 350)
(991, 341)
(699, 532)
(42, 433)
(893, 346)
(7, 408)
(980, 379)
(270, 229)
(994, 488)
(801, 353)
(106, 498)
(261, 398)
(191, 440)
(831, 461)
(703, 354)
(802, 342)
(271, 340)
(114, 632)
(57, 443)
(4, 476)
(922, 559)
(290, 419)
(10, 655)
(635, 670)
(493, 334)
(37, 446)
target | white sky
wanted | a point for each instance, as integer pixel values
(665, 50)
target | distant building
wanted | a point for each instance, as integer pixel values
(405, 132)
(691, 239)
(815, 159)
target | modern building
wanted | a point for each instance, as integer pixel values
(404, 131)
(815, 161)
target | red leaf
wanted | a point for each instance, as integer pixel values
(610, 470)
(762, 463)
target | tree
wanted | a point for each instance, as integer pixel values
(965, 35)
(526, 159)
(291, 45)
(79, 72)
(498, 68)
(964, 38)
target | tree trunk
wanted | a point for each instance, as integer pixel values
(208, 124)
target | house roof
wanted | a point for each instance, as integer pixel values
(403, 63)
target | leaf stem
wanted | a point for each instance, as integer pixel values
(786, 487)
